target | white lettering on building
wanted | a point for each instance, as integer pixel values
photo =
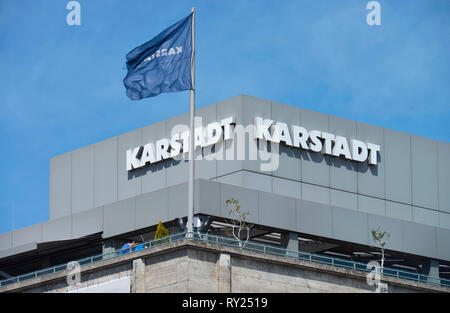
(265, 130)
(317, 141)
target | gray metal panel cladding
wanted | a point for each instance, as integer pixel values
(409, 184)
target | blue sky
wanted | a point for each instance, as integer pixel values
(61, 86)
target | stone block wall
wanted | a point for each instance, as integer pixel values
(189, 267)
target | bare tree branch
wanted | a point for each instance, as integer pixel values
(238, 221)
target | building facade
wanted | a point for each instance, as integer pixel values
(311, 182)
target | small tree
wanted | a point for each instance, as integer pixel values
(381, 238)
(240, 226)
(161, 232)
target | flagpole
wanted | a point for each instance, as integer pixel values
(190, 230)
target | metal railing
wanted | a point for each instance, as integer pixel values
(250, 246)
(323, 259)
(92, 259)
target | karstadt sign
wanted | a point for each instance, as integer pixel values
(264, 130)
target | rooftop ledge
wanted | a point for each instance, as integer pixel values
(218, 244)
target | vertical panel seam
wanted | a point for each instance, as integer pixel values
(300, 152)
(71, 178)
(141, 143)
(386, 163)
(271, 117)
(384, 170)
(117, 168)
(166, 196)
(134, 211)
(271, 172)
(411, 176)
(50, 201)
(165, 169)
(435, 242)
(221, 199)
(329, 166)
(332, 222)
(437, 184)
(259, 207)
(357, 175)
(368, 230)
(357, 164)
(93, 175)
(215, 147)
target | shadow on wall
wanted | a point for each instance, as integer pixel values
(363, 167)
(317, 157)
(154, 168)
(340, 162)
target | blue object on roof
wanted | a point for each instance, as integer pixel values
(124, 249)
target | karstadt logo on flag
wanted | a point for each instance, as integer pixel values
(162, 64)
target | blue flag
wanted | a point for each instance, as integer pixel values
(162, 64)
